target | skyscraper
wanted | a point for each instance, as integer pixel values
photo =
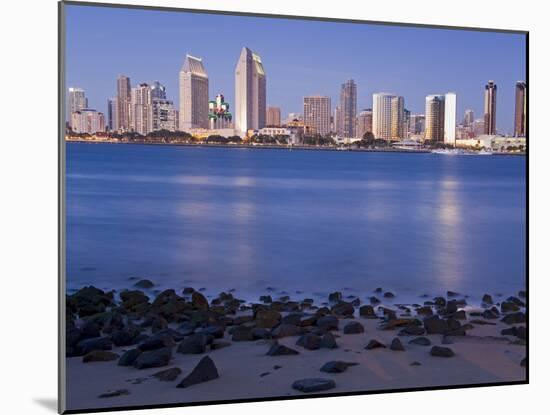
(193, 94)
(111, 113)
(158, 91)
(468, 121)
(521, 109)
(250, 92)
(273, 117)
(348, 108)
(416, 124)
(165, 116)
(123, 98)
(449, 129)
(142, 109)
(490, 108)
(337, 121)
(76, 102)
(387, 116)
(435, 118)
(317, 114)
(364, 122)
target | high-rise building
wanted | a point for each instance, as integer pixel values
(478, 127)
(76, 101)
(416, 124)
(490, 108)
(158, 91)
(449, 129)
(336, 123)
(364, 123)
(123, 102)
(406, 122)
(250, 92)
(193, 94)
(88, 121)
(348, 108)
(218, 113)
(141, 110)
(165, 115)
(317, 114)
(111, 113)
(387, 116)
(435, 118)
(468, 120)
(273, 117)
(520, 117)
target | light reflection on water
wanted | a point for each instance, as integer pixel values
(308, 221)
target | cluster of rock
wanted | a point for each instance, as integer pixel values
(97, 322)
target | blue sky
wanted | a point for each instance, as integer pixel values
(300, 57)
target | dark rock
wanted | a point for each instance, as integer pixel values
(354, 327)
(313, 385)
(168, 375)
(378, 290)
(188, 290)
(373, 300)
(99, 356)
(412, 331)
(482, 322)
(515, 301)
(487, 299)
(335, 297)
(421, 341)
(522, 294)
(374, 344)
(514, 318)
(277, 349)
(415, 363)
(523, 362)
(215, 331)
(267, 318)
(328, 341)
(336, 366)
(195, 344)
(507, 307)
(219, 345)
(264, 374)
(266, 299)
(97, 343)
(153, 358)
(389, 294)
(394, 323)
(342, 309)
(397, 345)
(435, 325)
(152, 343)
(328, 323)
(459, 315)
(309, 341)
(124, 337)
(489, 315)
(204, 371)
(451, 294)
(199, 301)
(522, 333)
(367, 311)
(440, 301)
(112, 394)
(286, 330)
(451, 307)
(441, 351)
(129, 357)
(144, 284)
(293, 318)
(425, 311)
(242, 334)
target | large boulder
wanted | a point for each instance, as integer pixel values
(309, 341)
(354, 327)
(277, 349)
(195, 344)
(435, 325)
(153, 358)
(204, 371)
(342, 309)
(97, 343)
(514, 318)
(129, 357)
(328, 341)
(267, 318)
(327, 322)
(199, 301)
(367, 311)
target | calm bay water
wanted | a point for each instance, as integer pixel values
(312, 221)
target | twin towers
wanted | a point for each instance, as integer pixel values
(250, 93)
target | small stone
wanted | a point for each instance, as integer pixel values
(396, 345)
(188, 290)
(421, 341)
(264, 374)
(514, 318)
(335, 297)
(336, 366)
(367, 311)
(313, 385)
(204, 371)
(452, 294)
(144, 284)
(373, 300)
(374, 344)
(112, 394)
(266, 299)
(389, 294)
(168, 375)
(354, 327)
(328, 341)
(277, 349)
(286, 330)
(441, 351)
(487, 299)
(99, 356)
(415, 363)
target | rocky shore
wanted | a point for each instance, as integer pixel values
(144, 347)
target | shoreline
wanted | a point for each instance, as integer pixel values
(248, 344)
(279, 147)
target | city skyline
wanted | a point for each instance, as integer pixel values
(465, 60)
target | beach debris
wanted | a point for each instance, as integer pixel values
(313, 385)
(204, 371)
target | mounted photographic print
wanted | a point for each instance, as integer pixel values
(259, 207)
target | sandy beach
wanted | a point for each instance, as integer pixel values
(237, 337)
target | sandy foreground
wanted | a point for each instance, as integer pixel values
(483, 355)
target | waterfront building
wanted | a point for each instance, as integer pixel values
(193, 85)
(141, 109)
(478, 127)
(520, 115)
(273, 117)
(336, 121)
(250, 92)
(348, 109)
(449, 128)
(158, 91)
(293, 116)
(416, 124)
(76, 101)
(123, 103)
(490, 108)
(317, 114)
(435, 118)
(387, 116)
(165, 115)
(219, 116)
(364, 122)
(111, 113)
(469, 118)
(87, 121)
